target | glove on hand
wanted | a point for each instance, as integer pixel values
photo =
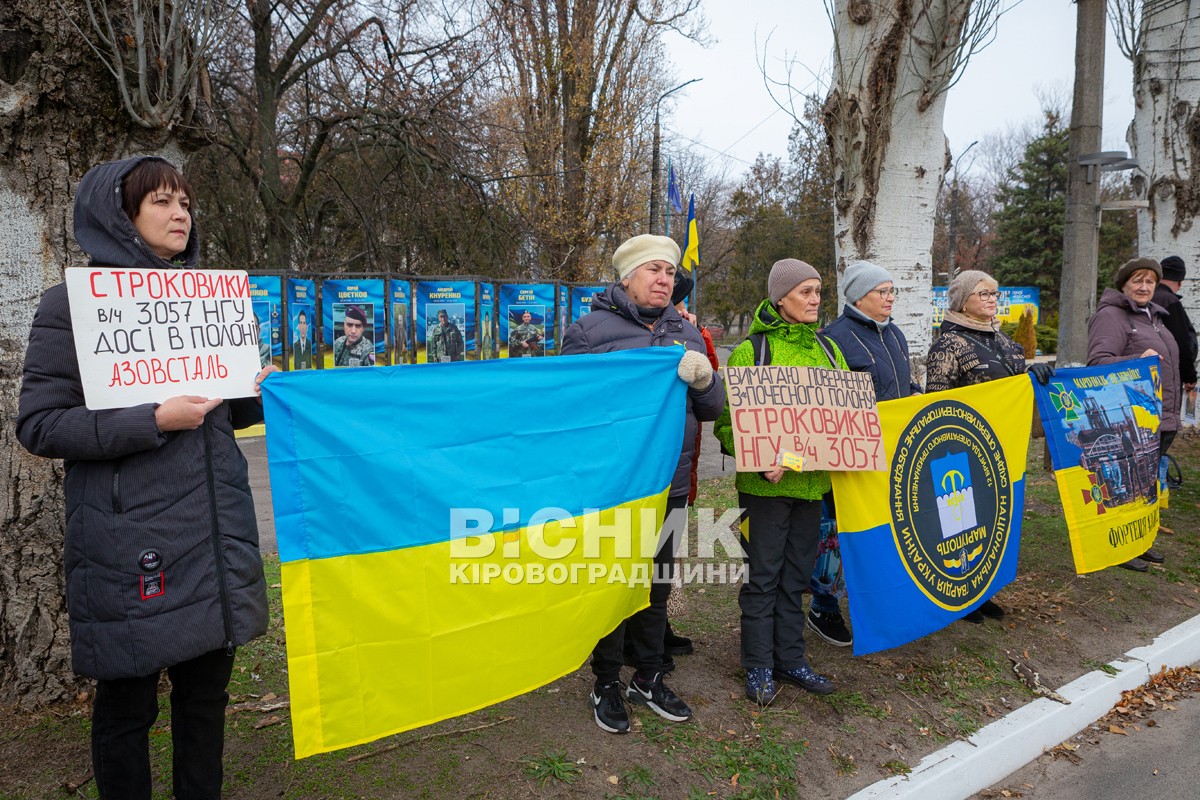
(1041, 372)
(695, 371)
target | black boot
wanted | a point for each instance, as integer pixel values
(674, 645)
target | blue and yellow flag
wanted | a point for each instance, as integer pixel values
(454, 535)
(1144, 407)
(927, 541)
(1102, 427)
(691, 241)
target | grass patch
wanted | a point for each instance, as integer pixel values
(1092, 664)
(855, 703)
(552, 765)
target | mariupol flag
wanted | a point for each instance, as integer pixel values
(1102, 427)
(937, 534)
(457, 534)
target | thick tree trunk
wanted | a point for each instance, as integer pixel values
(883, 118)
(59, 115)
(1165, 137)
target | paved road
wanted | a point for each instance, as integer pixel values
(1158, 762)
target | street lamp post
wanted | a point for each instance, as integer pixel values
(653, 227)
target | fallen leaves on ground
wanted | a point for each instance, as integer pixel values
(1156, 694)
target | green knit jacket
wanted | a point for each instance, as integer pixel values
(791, 345)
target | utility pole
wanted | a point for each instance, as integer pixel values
(1081, 231)
(654, 159)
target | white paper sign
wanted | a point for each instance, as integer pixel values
(146, 335)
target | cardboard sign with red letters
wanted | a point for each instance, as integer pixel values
(804, 419)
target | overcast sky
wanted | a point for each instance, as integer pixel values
(729, 116)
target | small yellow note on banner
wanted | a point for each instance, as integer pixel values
(792, 461)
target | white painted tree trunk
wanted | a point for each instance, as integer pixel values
(1165, 138)
(884, 121)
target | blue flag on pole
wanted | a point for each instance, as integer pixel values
(673, 196)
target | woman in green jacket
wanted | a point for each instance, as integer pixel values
(784, 507)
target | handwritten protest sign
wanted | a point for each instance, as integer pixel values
(803, 418)
(146, 335)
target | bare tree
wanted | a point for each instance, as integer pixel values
(155, 51)
(893, 64)
(300, 83)
(1162, 41)
(569, 98)
(61, 111)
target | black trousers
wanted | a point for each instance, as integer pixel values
(780, 553)
(647, 627)
(124, 711)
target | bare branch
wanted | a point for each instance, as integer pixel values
(1125, 17)
(154, 50)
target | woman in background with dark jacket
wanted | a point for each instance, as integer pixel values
(634, 312)
(866, 335)
(1129, 324)
(161, 548)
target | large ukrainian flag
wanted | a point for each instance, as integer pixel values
(453, 535)
(1102, 427)
(937, 534)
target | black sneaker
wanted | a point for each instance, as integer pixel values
(656, 696)
(608, 708)
(675, 645)
(830, 626)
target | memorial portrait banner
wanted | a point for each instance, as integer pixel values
(804, 418)
(445, 323)
(935, 535)
(526, 319)
(266, 295)
(302, 323)
(1101, 425)
(146, 335)
(440, 553)
(357, 297)
(400, 301)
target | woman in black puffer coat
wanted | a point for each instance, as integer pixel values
(161, 548)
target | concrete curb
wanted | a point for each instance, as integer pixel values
(1001, 748)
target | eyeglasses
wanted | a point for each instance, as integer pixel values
(985, 295)
(884, 294)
